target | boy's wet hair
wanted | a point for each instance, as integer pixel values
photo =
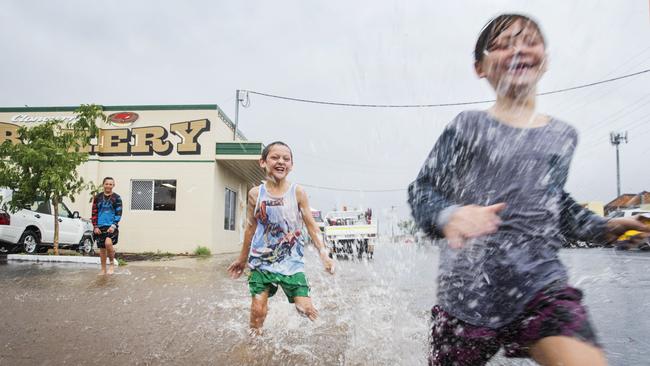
(268, 147)
(108, 178)
(495, 27)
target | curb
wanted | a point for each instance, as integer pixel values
(55, 259)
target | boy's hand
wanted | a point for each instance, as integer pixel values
(328, 263)
(470, 222)
(617, 227)
(236, 268)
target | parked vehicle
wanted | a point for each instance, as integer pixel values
(350, 232)
(318, 217)
(624, 240)
(31, 229)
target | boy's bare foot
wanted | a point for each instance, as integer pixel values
(306, 308)
(255, 332)
(111, 269)
(102, 273)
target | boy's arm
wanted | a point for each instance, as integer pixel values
(430, 206)
(118, 211)
(94, 212)
(579, 223)
(312, 229)
(237, 267)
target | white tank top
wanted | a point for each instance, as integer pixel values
(277, 245)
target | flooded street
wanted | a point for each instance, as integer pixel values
(187, 311)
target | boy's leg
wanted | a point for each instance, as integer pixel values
(102, 260)
(555, 330)
(111, 254)
(454, 342)
(296, 288)
(567, 351)
(259, 309)
(305, 307)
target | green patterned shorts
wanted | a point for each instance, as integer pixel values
(294, 285)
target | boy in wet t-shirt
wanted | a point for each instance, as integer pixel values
(493, 186)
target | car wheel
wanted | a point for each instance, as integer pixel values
(29, 242)
(86, 246)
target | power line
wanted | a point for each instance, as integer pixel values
(340, 104)
(595, 83)
(354, 190)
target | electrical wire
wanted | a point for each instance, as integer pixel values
(341, 104)
(354, 190)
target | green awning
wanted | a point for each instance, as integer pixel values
(242, 158)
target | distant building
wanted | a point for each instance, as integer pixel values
(629, 201)
(182, 178)
(595, 206)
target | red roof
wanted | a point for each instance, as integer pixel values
(628, 200)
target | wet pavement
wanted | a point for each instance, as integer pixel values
(188, 311)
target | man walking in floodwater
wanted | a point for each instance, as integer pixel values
(106, 215)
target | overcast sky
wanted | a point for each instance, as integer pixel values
(405, 52)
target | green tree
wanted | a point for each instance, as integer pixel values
(43, 165)
(407, 227)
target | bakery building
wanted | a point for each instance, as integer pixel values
(182, 175)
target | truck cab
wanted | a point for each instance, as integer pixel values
(350, 233)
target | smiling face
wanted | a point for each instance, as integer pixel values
(515, 60)
(108, 186)
(278, 163)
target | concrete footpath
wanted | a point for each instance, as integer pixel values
(51, 258)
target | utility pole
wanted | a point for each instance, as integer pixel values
(615, 138)
(238, 99)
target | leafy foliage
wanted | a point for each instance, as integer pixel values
(202, 251)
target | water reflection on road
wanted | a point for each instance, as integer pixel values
(188, 312)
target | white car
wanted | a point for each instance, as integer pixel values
(628, 213)
(32, 229)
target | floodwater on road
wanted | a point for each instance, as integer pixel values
(187, 311)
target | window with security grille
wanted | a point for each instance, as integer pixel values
(153, 194)
(231, 209)
(142, 195)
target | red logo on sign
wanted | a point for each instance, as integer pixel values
(123, 118)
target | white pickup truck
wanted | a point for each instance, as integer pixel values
(31, 229)
(350, 232)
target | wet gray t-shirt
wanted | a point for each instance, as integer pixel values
(479, 160)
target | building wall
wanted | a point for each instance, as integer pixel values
(595, 206)
(228, 241)
(176, 231)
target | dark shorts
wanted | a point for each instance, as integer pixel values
(293, 285)
(101, 238)
(554, 311)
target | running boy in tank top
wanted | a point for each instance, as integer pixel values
(273, 240)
